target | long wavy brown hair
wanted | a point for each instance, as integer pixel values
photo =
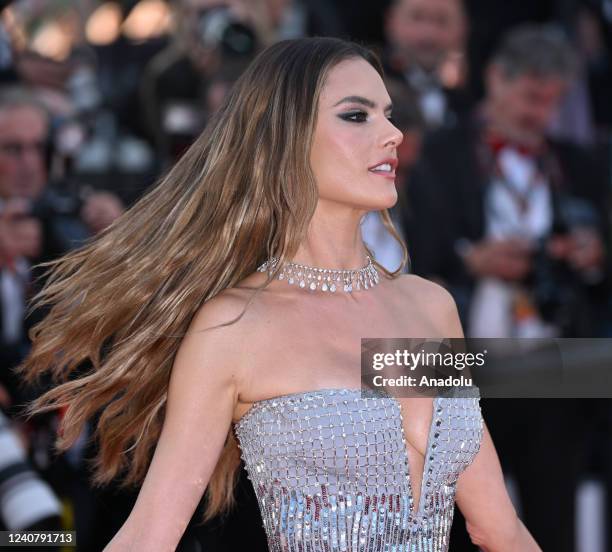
(120, 303)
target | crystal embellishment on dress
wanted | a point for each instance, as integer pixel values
(331, 472)
(325, 279)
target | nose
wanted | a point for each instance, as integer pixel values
(31, 156)
(394, 136)
(32, 161)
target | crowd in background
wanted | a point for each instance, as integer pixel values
(504, 180)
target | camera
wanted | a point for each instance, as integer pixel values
(58, 211)
(218, 28)
(558, 289)
(26, 501)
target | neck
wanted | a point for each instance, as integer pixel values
(333, 242)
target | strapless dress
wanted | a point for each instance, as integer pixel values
(330, 470)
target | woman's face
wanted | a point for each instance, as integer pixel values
(353, 134)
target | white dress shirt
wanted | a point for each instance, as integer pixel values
(492, 303)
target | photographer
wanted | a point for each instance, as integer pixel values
(209, 34)
(515, 225)
(525, 236)
(423, 39)
(37, 223)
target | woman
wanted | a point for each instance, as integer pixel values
(201, 348)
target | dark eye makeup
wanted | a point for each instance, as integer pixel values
(359, 117)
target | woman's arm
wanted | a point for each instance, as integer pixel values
(481, 494)
(483, 499)
(202, 393)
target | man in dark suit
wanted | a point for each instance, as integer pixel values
(501, 186)
(516, 226)
(421, 36)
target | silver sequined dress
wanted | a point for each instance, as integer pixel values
(330, 470)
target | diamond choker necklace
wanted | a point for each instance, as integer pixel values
(325, 279)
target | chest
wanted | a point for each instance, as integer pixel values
(320, 346)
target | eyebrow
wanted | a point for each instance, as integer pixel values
(361, 100)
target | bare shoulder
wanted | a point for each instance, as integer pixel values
(223, 308)
(217, 338)
(232, 301)
(417, 287)
(435, 300)
(230, 328)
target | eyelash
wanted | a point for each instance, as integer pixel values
(347, 117)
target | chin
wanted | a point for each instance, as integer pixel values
(381, 201)
(369, 195)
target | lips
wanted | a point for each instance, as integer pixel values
(385, 168)
(389, 160)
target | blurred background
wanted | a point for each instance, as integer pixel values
(504, 198)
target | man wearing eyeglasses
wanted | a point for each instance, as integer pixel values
(36, 224)
(23, 133)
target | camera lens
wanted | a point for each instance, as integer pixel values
(218, 28)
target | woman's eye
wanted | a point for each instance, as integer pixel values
(360, 117)
(357, 117)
